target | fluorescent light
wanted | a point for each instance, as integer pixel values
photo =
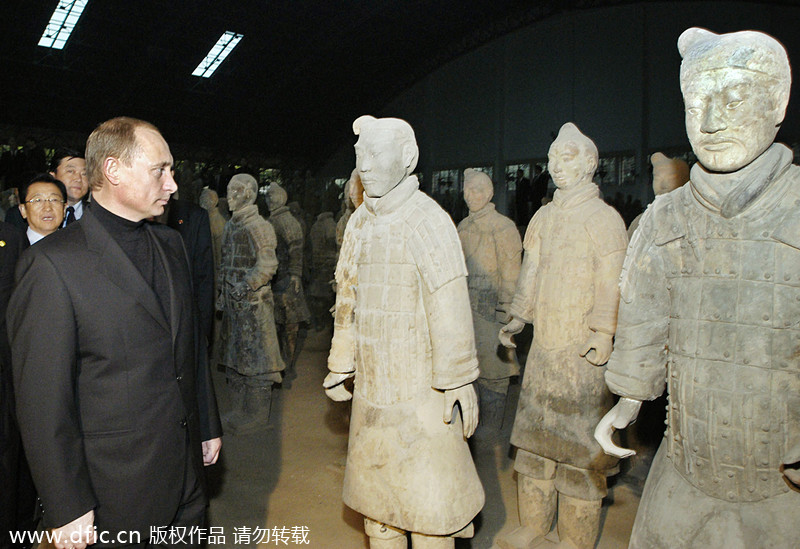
(217, 55)
(61, 23)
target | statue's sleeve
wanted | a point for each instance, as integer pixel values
(264, 241)
(437, 253)
(609, 238)
(637, 368)
(342, 358)
(508, 247)
(294, 241)
(524, 299)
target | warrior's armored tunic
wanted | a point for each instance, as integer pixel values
(711, 303)
(403, 324)
(290, 305)
(248, 255)
(493, 250)
(568, 288)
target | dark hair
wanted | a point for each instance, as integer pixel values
(60, 154)
(41, 178)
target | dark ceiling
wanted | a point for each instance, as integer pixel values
(288, 93)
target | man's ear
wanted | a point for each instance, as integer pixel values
(23, 211)
(111, 168)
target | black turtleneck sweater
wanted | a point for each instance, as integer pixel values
(137, 242)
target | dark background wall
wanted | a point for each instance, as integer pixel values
(612, 71)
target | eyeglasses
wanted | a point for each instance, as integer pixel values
(39, 202)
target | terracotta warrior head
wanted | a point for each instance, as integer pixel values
(478, 189)
(276, 197)
(572, 159)
(354, 190)
(735, 89)
(668, 173)
(242, 191)
(208, 199)
(386, 153)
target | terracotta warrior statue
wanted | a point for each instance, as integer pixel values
(209, 201)
(710, 303)
(290, 301)
(403, 329)
(493, 251)
(248, 263)
(567, 288)
(668, 175)
(324, 252)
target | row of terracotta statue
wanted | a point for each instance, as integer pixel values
(703, 301)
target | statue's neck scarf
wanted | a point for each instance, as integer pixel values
(577, 195)
(729, 194)
(394, 199)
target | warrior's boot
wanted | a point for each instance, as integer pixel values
(383, 536)
(537, 506)
(578, 521)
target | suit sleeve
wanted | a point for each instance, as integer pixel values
(43, 333)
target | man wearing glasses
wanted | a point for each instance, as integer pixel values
(43, 206)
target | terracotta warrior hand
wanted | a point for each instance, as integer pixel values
(466, 396)
(334, 386)
(791, 465)
(620, 416)
(513, 327)
(296, 284)
(239, 291)
(597, 348)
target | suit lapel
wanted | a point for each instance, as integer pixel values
(117, 267)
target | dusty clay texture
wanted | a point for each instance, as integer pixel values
(493, 252)
(668, 175)
(247, 266)
(403, 328)
(710, 302)
(568, 288)
(324, 252)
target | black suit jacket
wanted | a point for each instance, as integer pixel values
(191, 221)
(111, 397)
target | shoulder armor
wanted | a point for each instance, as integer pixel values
(665, 212)
(606, 229)
(535, 224)
(434, 242)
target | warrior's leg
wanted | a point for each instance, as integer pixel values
(536, 500)
(421, 541)
(383, 536)
(580, 498)
(236, 386)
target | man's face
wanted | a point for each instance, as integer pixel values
(46, 216)
(732, 117)
(476, 196)
(72, 173)
(380, 163)
(146, 185)
(238, 197)
(568, 164)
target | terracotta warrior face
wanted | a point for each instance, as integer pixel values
(477, 195)
(569, 165)
(732, 116)
(238, 196)
(381, 162)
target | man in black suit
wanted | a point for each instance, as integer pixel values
(114, 397)
(191, 221)
(17, 497)
(69, 167)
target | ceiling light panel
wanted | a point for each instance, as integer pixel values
(217, 55)
(61, 23)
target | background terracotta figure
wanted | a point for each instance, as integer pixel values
(353, 198)
(252, 354)
(567, 288)
(668, 175)
(710, 302)
(323, 264)
(403, 329)
(209, 200)
(290, 301)
(493, 252)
